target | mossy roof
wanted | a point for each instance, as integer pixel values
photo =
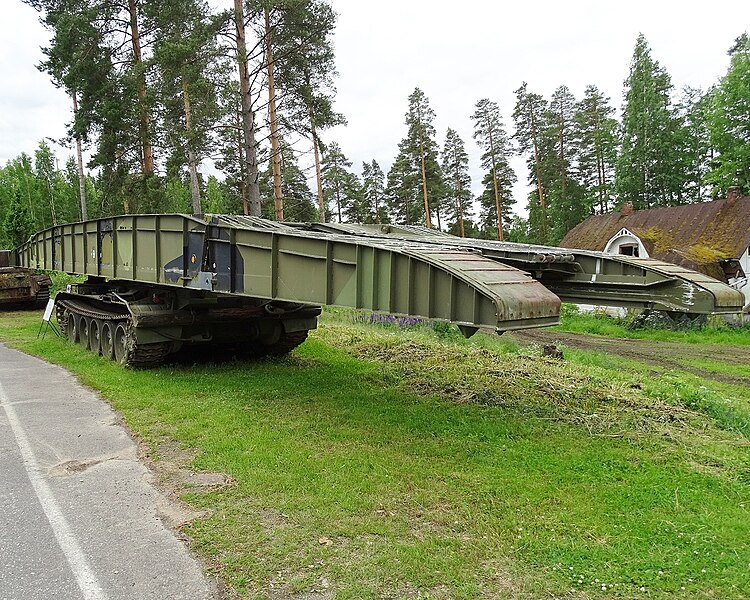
(697, 236)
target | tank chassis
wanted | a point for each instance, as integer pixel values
(159, 283)
(21, 287)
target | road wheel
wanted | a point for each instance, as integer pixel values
(106, 340)
(95, 334)
(84, 326)
(120, 343)
(72, 327)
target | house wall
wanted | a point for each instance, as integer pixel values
(745, 264)
(743, 284)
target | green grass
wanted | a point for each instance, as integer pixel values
(380, 463)
(716, 332)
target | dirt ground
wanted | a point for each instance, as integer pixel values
(667, 355)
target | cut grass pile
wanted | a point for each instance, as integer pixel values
(380, 463)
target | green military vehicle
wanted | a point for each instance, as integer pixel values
(159, 283)
(20, 286)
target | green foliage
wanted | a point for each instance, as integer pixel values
(649, 172)
(728, 121)
(457, 182)
(304, 64)
(416, 170)
(18, 224)
(499, 177)
(694, 143)
(373, 193)
(597, 149)
(403, 190)
(36, 194)
(299, 202)
(187, 69)
(565, 195)
(528, 116)
(599, 323)
(342, 189)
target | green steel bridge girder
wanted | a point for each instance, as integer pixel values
(251, 257)
(583, 276)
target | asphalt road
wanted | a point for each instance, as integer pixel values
(79, 517)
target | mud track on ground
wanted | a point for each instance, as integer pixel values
(665, 355)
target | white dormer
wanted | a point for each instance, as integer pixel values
(627, 243)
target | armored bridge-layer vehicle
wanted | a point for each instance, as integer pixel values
(158, 283)
(21, 287)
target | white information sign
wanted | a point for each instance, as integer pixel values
(48, 310)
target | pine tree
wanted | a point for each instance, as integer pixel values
(420, 148)
(373, 193)
(694, 143)
(303, 68)
(403, 191)
(648, 171)
(728, 119)
(597, 149)
(247, 150)
(340, 188)
(299, 203)
(186, 60)
(96, 54)
(528, 116)
(492, 138)
(457, 182)
(567, 205)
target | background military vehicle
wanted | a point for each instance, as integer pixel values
(21, 287)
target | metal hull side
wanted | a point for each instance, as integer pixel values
(582, 276)
(266, 260)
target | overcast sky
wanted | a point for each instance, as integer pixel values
(456, 53)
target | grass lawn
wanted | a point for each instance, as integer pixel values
(380, 463)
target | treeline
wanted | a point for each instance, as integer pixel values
(160, 88)
(581, 160)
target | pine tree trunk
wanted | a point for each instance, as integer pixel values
(460, 204)
(498, 204)
(147, 157)
(242, 183)
(79, 164)
(248, 116)
(274, 123)
(318, 175)
(338, 201)
(601, 181)
(195, 190)
(563, 171)
(539, 188)
(427, 219)
(600, 175)
(53, 213)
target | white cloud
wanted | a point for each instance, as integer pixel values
(456, 53)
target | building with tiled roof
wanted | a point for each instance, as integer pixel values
(710, 237)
